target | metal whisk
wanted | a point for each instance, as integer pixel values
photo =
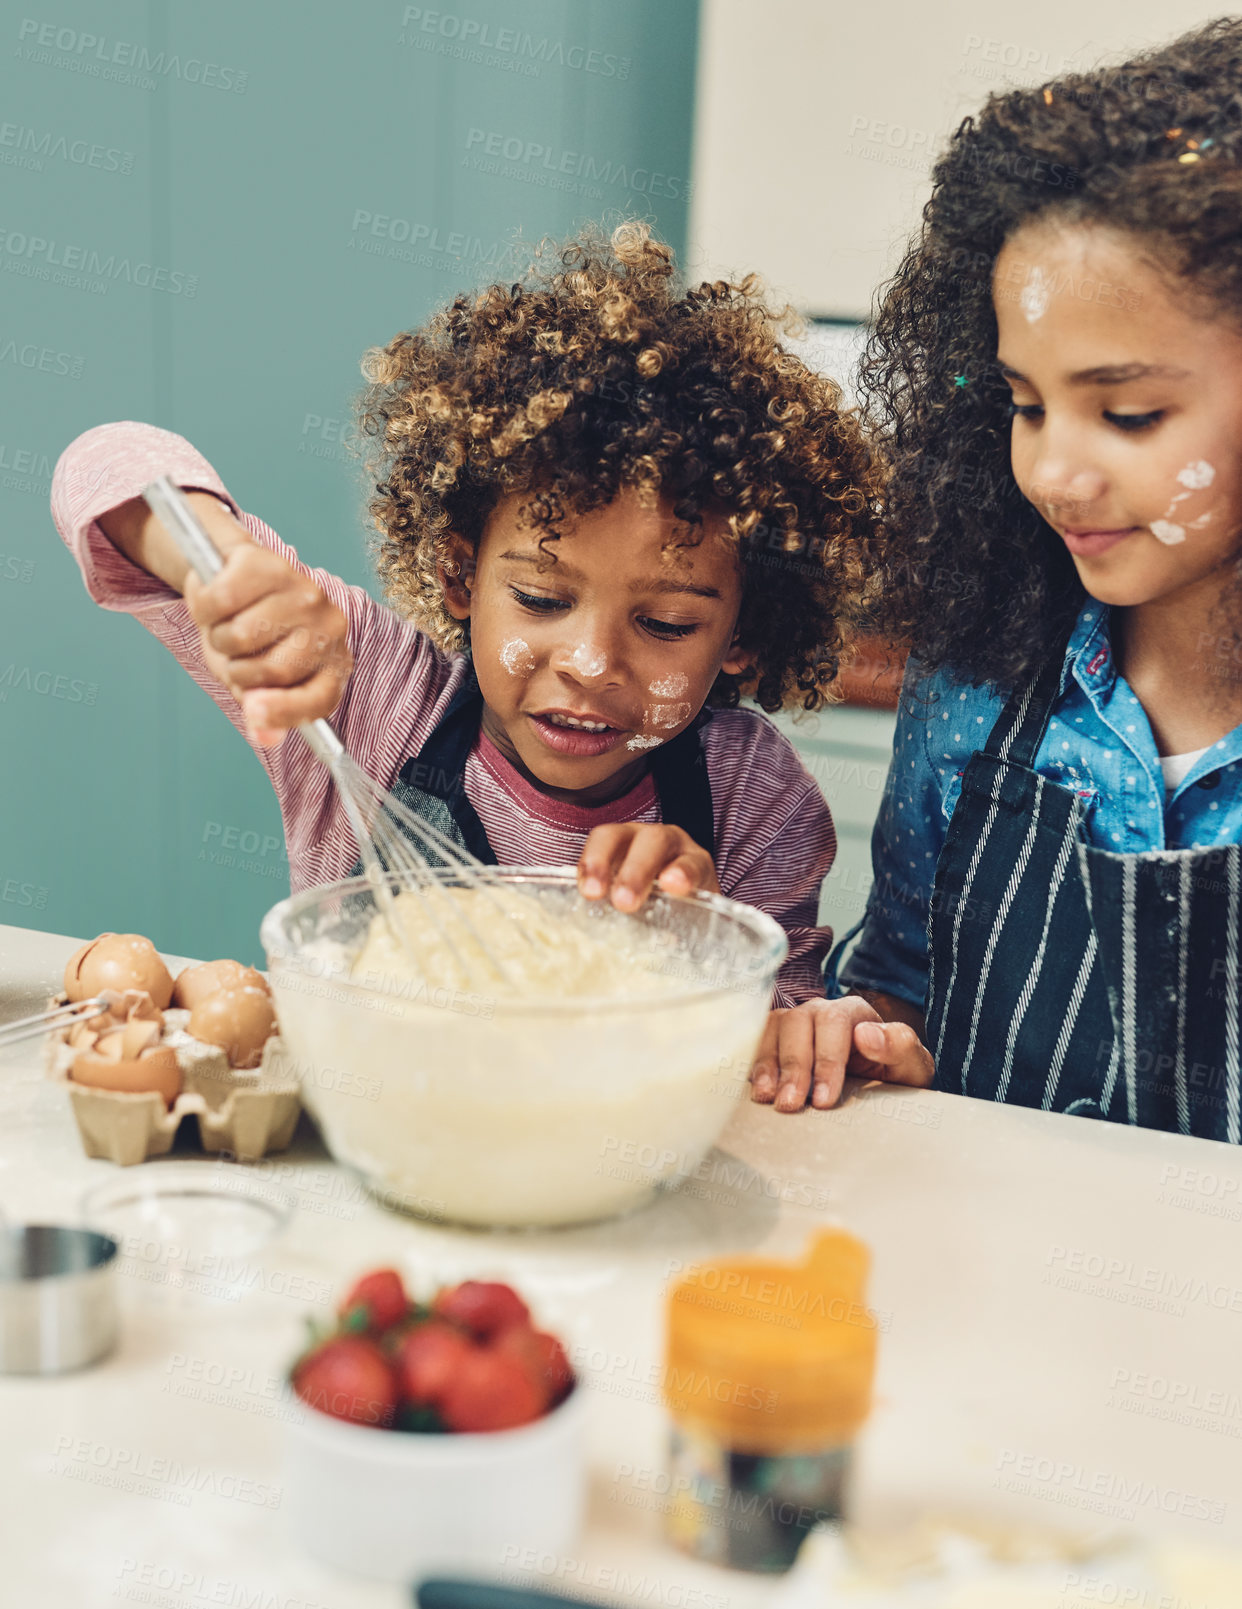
(12, 1033)
(394, 843)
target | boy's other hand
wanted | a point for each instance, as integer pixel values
(269, 633)
(625, 860)
(810, 1048)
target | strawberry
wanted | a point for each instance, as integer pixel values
(427, 1358)
(490, 1391)
(483, 1307)
(377, 1300)
(543, 1358)
(348, 1378)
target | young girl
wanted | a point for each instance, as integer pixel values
(608, 509)
(1055, 916)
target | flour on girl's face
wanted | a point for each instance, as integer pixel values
(1036, 295)
(642, 741)
(670, 686)
(668, 715)
(516, 657)
(1195, 476)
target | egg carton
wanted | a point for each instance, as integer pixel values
(245, 1112)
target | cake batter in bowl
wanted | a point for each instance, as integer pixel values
(602, 1067)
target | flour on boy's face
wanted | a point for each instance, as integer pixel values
(516, 657)
(587, 662)
(1127, 435)
(595, 646)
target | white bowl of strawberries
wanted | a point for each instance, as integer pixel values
(433, 1436)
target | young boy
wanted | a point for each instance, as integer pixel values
(608, 508)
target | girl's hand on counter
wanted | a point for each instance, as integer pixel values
(269, 633)
(625, 860)
(809, 1049)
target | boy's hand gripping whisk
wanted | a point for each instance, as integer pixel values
(398, 848)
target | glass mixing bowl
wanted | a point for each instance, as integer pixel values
(523, 1111)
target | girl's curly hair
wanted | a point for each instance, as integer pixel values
(974, 580)
(596, 372)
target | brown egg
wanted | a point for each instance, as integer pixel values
(238, 1020)
(118, 961)
(132, 1060)
(196, 983)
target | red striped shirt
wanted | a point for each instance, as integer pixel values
(774, 834)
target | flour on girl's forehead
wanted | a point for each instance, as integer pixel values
(1036, 294)
(516, 657)
(670, 686)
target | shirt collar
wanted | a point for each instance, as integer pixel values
(1089, 652)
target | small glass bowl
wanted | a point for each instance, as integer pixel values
(188, 1227)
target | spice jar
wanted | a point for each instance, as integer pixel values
(768, 1374)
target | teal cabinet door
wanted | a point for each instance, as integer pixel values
(211, 213)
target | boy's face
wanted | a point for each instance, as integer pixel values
(1128, 431)
(601, 647)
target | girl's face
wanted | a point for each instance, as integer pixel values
(1127, 430)
(602, 648)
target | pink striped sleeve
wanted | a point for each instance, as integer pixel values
(399, 682)
(775, 841)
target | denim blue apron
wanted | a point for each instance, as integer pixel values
(1070, 978)
(432, 782)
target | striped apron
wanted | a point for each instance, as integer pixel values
(1070, 978)
(432, 782)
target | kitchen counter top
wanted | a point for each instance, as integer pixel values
(1060, 1304)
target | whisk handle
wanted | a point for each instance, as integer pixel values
(172, 508)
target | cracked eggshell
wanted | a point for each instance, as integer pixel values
(195, 983)
(131, 1060)
(132, 1006)
(240, 1021)
(119, 961)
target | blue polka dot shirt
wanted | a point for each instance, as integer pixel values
(1098, 743)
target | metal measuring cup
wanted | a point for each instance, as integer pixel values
(58, 1308)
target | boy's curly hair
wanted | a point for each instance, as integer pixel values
(975, 581)
(596, 372)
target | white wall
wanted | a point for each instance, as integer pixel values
(817, 120)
